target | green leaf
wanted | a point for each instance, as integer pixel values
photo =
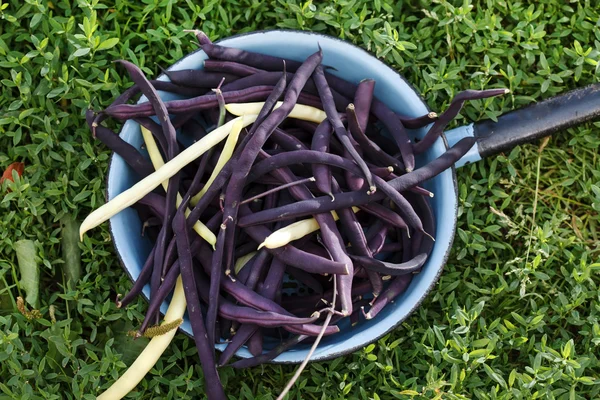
(29, 269)
(35, 20)
(81, 52)
(409, 392)
(494, 375)
(567, 348)
(107, 44)
(70, 250)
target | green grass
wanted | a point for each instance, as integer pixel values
(516, 311)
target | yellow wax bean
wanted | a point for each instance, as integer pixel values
(146, 185)
(158, 163)
(294, 231)
(299, 111)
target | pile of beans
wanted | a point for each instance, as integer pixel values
(294, 175)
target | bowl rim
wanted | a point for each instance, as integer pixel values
(444, 259)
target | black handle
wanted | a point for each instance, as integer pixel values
(538, 120)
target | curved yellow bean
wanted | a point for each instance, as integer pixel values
(151, 353)
(299, 111)
(223, 158)
(242, 261)
(294, 231)
(149, 183)
(158, 162)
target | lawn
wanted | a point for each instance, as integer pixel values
(516, 313)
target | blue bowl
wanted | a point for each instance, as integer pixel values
(353, 64)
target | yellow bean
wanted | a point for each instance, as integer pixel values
(242, 261)
(151, 353)
(294, 231)
(158, 163)
(299, 111)
(223, 158)
(149, 183)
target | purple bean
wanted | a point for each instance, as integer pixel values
(394, 247)
(278, 188)
(261, 262)
(387, 117)
(357, 238)
(306, 279)
(397, 286)
(156, 131)
(203, 344)
(171, 87)
(243, 334)
(285, 141)
(255, 60)
(388, 268)
(377, 241)
(245, 249)
(270, 355)
(246, 332)
(316, 300)
(215, 273)
(266, 79)
(172, 149)
(354, 182)
(139, 283)
(268, 180)
(270, 103)
(270, 288)
(163, 291)
(455, 106)
(134, 90)
(312, 248)
(320, 142)
(130, 154)
(194, 129)
(201, 37)
(371, 148)
(418, 122)
(382, 172)
(374, 229)
(243, 294)
(362, 100)
(300, 134)
(170, 256)
(279, 317)
(255, 343)
(425, 244)
(198, 78)
(307, 126)
(155, 202)
(230, 67)
(199, 103)
(269, 319)
(338, 127)
(385, 214)
(242, 275)
(349, 199)
(180, 119)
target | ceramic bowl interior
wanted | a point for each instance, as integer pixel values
(353, 64)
